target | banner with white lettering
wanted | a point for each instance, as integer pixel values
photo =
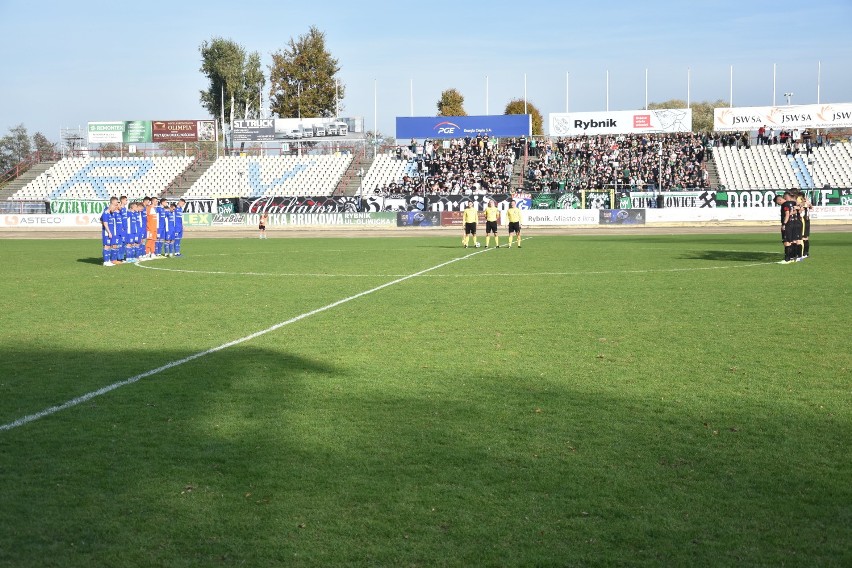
(620, 122)
(838, 115)
(559, 218)
(259, 130)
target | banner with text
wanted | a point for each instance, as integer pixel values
(147, 131)
(182, 130)
(325, 219)
(260, 130)
(559, 218)
(438, 127)
(620, 122)
(120, 132)
(838, 115)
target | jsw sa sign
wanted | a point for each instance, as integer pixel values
(443, 127)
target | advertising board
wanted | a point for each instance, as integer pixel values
(838, 115)
(258, 130)
(444, 127)
(620, 122)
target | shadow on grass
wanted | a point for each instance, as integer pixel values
(256, 456)
(733, 256)
(91, 260)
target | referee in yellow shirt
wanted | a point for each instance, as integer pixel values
(513, 215)
(492, 215)
(469, 218)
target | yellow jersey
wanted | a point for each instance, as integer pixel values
(471, 215)
(492, 214)
(513, 214)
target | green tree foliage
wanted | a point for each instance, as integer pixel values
(516, 106)
(702, 112)
(253, 83)
(303, 80)
(43, 146)
(223, 61)
(15, 147)
(451, 103)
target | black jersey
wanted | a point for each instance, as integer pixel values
(788, 207)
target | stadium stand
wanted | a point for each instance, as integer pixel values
(632, 160)
(259, 176)
(468, 165)
(389, 170)
(774, 166)
(100, 178)
(832, 165)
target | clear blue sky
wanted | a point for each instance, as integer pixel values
(67, 63)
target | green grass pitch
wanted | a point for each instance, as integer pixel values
(591, 400)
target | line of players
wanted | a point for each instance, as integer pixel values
(795, 225)
(142, 230)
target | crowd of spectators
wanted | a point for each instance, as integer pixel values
(791, 141)
(637, 161)
(467, 166)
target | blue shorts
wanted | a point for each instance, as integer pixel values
(109, 241)
(161, 234)
(178, 234)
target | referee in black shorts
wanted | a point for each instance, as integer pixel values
(469, 218)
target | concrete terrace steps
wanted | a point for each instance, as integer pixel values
(350, 183)
(16, 184)
(712, 172)
(190, 175)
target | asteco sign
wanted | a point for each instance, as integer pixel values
(446, 127)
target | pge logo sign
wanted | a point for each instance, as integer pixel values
(446, 127)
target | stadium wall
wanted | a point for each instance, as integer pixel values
(667, 216)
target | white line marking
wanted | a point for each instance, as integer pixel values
(472, 274)
(88, 396)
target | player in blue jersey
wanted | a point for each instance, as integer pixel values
(109, 232)
(170, 230)
(181, 204)
(135, 236)
(161, 225)
(115, 255)
(123, 227)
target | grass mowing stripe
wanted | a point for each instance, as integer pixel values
(88, 396)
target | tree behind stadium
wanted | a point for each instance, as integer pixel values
(516, 106)
(235, 80)
(451, 103)
(302, 79)
(16, 146)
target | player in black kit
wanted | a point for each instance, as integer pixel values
(805, 207)
(791, 227)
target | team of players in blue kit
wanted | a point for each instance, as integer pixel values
(141, 230)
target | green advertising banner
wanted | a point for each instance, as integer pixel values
(137, 132)
(197, 219)
(118, 132)
(69, 206)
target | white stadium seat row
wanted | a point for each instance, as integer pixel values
(100, 178)
(258, 176)
(387, 169)
(764, 167)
